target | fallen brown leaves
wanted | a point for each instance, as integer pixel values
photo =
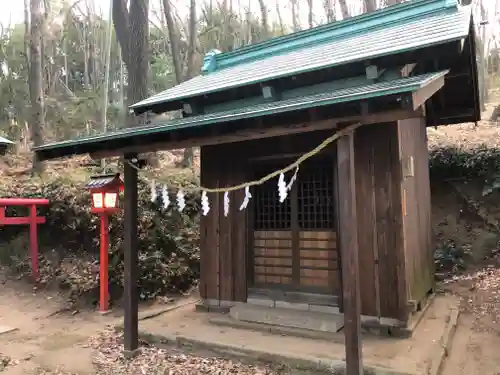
(6, 362)
(467, 136)
(109, 359)
(480, 293)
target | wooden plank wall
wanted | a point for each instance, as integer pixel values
(223, 240)
(367, 239)
(380, 227)
(417, 208)
(224, 246)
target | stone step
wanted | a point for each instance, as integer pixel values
(314, 321)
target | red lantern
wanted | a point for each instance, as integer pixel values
(105, 194)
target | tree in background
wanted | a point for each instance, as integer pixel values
(174, 38)
(35, 78)
(168, 48)
(132, 31)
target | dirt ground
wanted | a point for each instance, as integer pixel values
(477, 339)
(47, 337)
(51, 341)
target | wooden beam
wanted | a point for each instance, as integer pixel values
(270, 93)
(407, 69)
(420, 96)
(348, 229)
(131, 259)
(260, 133)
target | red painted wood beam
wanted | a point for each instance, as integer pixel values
(32, 220)
(23, 201)
(21, 220)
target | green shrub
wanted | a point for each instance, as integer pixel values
(69, 247)
(467, 163)
(455, 162)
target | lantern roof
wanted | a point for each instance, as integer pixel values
(102, 181)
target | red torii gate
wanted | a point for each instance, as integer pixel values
(32, 220)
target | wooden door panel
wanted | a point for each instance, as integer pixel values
(295, 241)
(273, 257)
(319, 260)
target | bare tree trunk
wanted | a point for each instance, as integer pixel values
(27, 33)
(295, 21)
(138, 68)
(310, 15)
(329, 6)
(122, 24)
(123, 113)
(105, 88)
(393, 2)
(65, 51)
(172, 36)
(280, 18)
(192, 40)
(265, 22)
(188, 158)
(344, 9)
(86, 54)
(35, 79)
(132, 33)
(370, 5)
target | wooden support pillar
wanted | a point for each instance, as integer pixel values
(347, 228)
(131, 303)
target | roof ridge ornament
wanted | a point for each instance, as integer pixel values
(210, 61)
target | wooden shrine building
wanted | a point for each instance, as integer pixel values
(354, 234)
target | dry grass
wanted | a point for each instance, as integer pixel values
(466, 136)
(80, 168)
(470, 135)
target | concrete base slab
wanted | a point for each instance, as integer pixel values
(227, 321)
(7, 329)
(306, 320)
(421, 354)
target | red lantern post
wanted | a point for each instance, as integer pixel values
(105, 192)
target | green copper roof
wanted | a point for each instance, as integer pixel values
(4, 145)
(364, 92)
(405, 27)
(5, 141)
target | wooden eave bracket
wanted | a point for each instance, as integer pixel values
(420, 96)
(406, 70)
(191, 109)
(399, 72)
(373, 73)
(269, 93)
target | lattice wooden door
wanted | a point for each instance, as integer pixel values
(295, 242)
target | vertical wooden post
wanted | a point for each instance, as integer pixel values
(131, 304)
(349, 254)
(33, 243)
(104, 300)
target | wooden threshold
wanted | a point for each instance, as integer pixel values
(293, 297)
